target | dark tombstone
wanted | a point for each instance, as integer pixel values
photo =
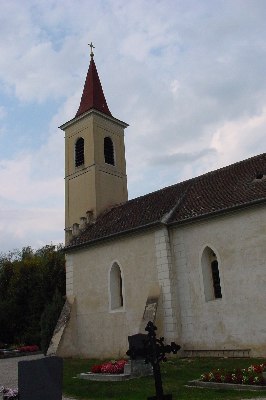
(137, 344)
(154, 351)
(40, 379)
(137, 366)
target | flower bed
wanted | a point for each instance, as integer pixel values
(28, 349)
(18, 351)
(110, 367)
(247, 376)
(9, 394)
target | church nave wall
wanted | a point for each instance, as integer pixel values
(233, 321)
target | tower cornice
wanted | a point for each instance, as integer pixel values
(93, 112)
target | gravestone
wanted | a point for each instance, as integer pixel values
(40, 379)
(136, 342)
(151, 306)
(138, 366)
(60, 326)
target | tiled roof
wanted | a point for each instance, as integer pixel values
(218, 191)
(93, 96)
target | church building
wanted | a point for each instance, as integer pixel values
(191, 256)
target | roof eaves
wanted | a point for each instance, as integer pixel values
(113, 235)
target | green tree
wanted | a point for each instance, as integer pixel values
(28, 282)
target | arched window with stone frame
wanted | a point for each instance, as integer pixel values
(79, 152)
(211, 274)
(116, 288)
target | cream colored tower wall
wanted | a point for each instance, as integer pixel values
(111, 180)
(102, 332)
(94, 185)
(80, 189)
(235, 321)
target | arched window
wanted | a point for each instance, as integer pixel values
(216, 279)
(116, 287)
(211, 275)
(79, 152)
(109, 151)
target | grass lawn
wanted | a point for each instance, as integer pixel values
(175, 375)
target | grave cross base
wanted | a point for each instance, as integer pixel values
(153, 351)
(163, 397)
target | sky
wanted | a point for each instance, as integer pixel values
(187, 76)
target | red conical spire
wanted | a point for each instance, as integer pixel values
(93, 96)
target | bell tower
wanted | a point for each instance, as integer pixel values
(95, 164)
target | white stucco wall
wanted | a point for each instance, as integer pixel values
(99, 331)
(173, 260)
(237, 321)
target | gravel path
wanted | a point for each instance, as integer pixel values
(9, 371)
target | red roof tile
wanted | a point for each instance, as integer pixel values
(218, 191)
(93, 96)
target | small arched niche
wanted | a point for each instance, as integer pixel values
(79, 152)
(116, 288)
(211, 275)
(109, 151)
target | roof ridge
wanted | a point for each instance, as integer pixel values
(198, 176)
(183, 202)
(230, 165)
(168, 215)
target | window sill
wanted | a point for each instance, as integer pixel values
(211, 300)
(110, 165)
(79, 167)
(117, 310)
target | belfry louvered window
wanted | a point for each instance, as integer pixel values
(79, 152)
(109, 151)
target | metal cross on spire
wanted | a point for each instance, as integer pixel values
(92, 47)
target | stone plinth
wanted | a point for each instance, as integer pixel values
(227, 386)
(90, 376)
(138, 368)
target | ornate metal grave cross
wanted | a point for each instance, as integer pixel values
(154, 351)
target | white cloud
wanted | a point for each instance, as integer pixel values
(187, 76)
(21, 184)
(174, 86)
(2, 112)
(32, 197)
(238, 139)
(34, 227)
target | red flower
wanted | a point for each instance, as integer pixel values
(26, 349)
(111, 367)
(96, 369)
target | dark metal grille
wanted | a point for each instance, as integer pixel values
(109, 151)
(79, 152)
(216, 280)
